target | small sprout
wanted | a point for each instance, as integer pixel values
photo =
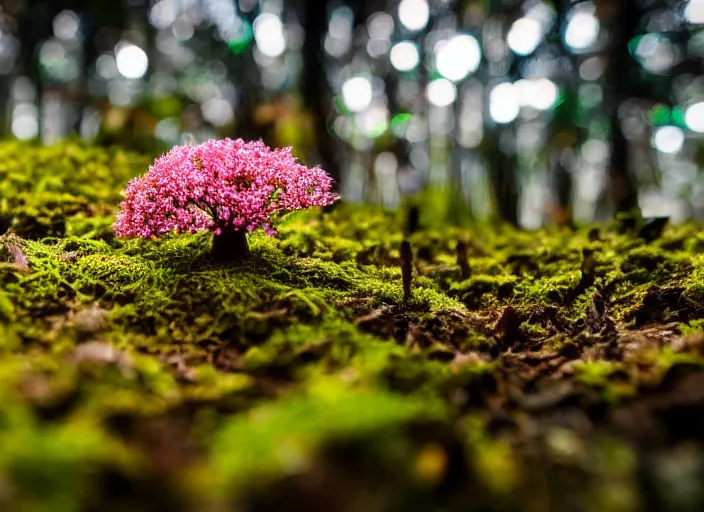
(229, 187)
(406, 269)
(597, 308)
(413, 220)
(588, 263)
(507, 329)
(588, 277)
(594, 235)
(462, 261)
(598, 321)
(652, 228)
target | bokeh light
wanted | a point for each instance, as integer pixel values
(217, 111)
(374, 120)
(694, 117)
(247, 6)
(524, 36)
(380, 26)
(694, 12)
(132, 62)
(386, 163)
(655, 52)
(338, 39)
(357, 93)
(591, 69)
(25, 121)
(163, 14)
(269, 34)
(58, 62)
(456, 58)
(10, 49)
(414, 14)
(404, 56)
(377, 48)
(66, 25)
(503, 103)
(540, 94)
(441, 92)
(582, 31)
(106, 66)
(668, 139)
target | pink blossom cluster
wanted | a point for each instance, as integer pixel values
(217, 185)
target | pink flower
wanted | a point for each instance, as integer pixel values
(224, 186)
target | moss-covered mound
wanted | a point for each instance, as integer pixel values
(66, 189)
(550, 371)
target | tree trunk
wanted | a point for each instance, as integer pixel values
(562, 183)
(564, 133)
(316, 91)
(502, 175)
(623, 188)
(230, 245)
(620, 82)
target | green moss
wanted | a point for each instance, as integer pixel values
(667, 358)
(265, 372)
(693, 327)
(71, 453)
(284, 439)
(694, 282)
(493, 460)
(596, 373)
(550, 289)
(44, 188)
(479, 290)
(600, 375)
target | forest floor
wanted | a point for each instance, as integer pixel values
(553, 370)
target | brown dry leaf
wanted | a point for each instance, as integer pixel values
(16, 255)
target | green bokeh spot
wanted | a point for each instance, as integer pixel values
(400, 122)
(660, 115)
(633, 44)
(241, 41)
(677, 116)
(340, 106)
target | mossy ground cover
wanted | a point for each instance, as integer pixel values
(559, 370)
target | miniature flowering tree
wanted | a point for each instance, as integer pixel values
(230, 187)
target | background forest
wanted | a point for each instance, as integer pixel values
(527, 110)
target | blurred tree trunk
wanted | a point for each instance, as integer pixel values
(315, 88)
(564, 135)
(563, 131)
(502, 166)
(460, 208)
(619, 88)
(500, 155)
